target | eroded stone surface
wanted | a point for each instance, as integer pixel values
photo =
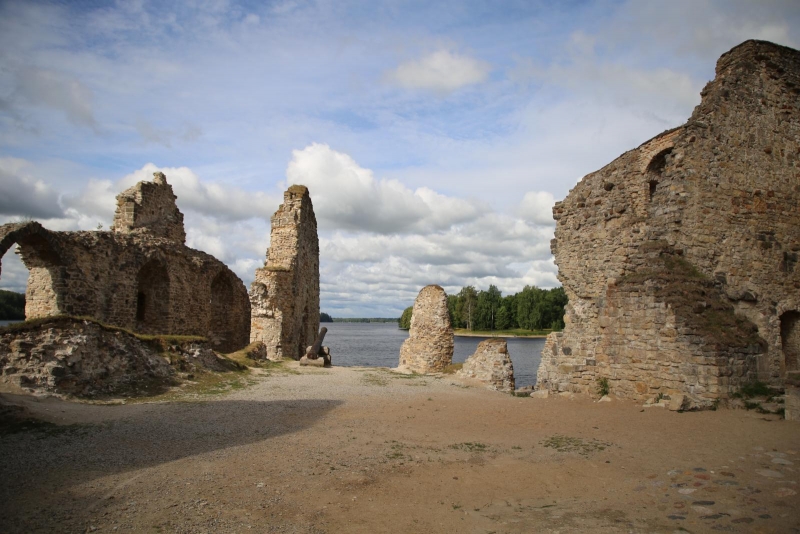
(284, 296)
(680, 257)
(491, 365)
(82, 358)
(140, 276)
(429, 347)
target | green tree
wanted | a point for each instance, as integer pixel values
(325, 318)
(503, 319)
(452, 311)
(468, 299)
(405, 319)
(486, 309)
(12, 305)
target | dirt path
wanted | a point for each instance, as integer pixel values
(365, 450)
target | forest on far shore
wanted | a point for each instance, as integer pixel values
(12, 305)
(530, 309)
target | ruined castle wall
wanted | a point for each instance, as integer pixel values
(149, 207)
(429, 347)
(284, 296)
(146, 283)
(708, 211)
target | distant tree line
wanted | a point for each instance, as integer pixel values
(364, 320)
(12, 305)
(325, 318)
(531, 309)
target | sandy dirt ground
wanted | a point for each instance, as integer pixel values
(367, 450)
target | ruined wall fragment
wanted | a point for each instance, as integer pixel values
(491, 365)
(429, 347)
(284, 296)
(139, 276)
(679, 257)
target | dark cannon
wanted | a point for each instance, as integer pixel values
(316, 351)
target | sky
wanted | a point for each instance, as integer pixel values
(434, 137)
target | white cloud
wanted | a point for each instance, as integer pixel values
(22, 194)
(442, 71)
(348, 196)
(13, 273)
(537, 207)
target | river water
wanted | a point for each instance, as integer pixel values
(378, 345)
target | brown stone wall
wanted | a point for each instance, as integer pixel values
(284, 296)
(83, 358)
(429, 347)
(491, 365)
(709, 211)
(149, 207)
(135, 280)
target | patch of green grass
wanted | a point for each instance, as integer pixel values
(452, 368)
(470, 446)
(577, 445)
(374, 379)
(66, 320)
(204, 384)
(603, 387)
(753, 389)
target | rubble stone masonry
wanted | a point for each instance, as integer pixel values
(680, 258)
(284, 296)
(139, 276)
(429, 347)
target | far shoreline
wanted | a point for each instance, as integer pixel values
(495, 334)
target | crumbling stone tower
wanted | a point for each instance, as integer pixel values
(284, 297)
(139, 276)
(430, 343)
(680, 257)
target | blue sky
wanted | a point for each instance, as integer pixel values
(434, 137)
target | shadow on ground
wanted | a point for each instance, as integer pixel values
(41, 463)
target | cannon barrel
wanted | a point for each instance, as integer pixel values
(313, 352)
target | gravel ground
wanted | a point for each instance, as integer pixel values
(367, 450)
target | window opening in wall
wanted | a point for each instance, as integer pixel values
(141, 306)
(790, 339)
(13, 286)
(655, 169)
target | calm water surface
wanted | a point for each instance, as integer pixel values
(378, 345)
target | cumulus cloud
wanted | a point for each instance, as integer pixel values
(24, 195)
(537, 207)
(442, 71)
(223, 201)
(348, 196)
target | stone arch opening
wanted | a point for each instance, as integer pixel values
(152, 298)
(790, 339)
(45, 287)
(223, 321)
(655, 170)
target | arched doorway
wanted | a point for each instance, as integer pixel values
(45, 287)
(790, 340)
(152, 298)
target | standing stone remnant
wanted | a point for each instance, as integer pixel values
(284, 296)
(491, 365)
(429, 347)
(681, 258)
(140, 275)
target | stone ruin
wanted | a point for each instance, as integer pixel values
(429, 347)
(680, 258)
(140, 275)
(284, 296)
(491, 365)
